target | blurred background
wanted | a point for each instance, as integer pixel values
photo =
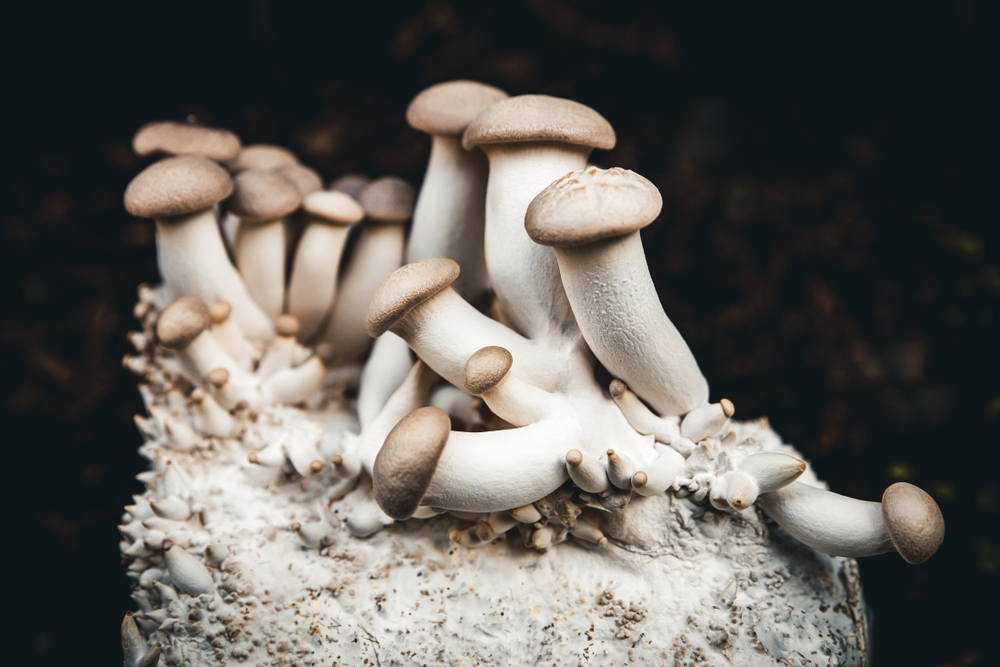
(829, 245)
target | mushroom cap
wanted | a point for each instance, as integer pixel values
(336, 207)
(177, 186)
(388, 199)
(304, 178)
(406, 288)
(591, 204)
(539, 118)
(617, 388)
(486, 368)
(175, 138)
(913, 521)
(263, 195)
(220, 311)
(405, 465)
(351, 184)
(182, 321)
(264, 157)
(286, 325)
(449, 107)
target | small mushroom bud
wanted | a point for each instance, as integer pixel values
(657, 476)
(620, 469)
(527, 514)
(707, 420)
(488, 374)
(314, 534)
(587, 471)
(229, 335)
(187, 572)
(134, 648)
(182, 327)
(641, 418)
(281, 352)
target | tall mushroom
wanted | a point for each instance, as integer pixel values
(448, 220)
(530, 141)
(173, 138)
(592, 217)
(179, 193)
(261, 200)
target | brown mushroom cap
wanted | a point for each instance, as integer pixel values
(173, 138)
(338, 208)
(388, 199)
(486, 368)
(182, 321)
(448, 108)
(405, 465)
(592, 204)
(539, 118)
(286, 325)
(177, 186)
(617, 388)
(405, 289)
(263, 195)
(304, 178)
(913, 521)
(351, 184)
(220, 311)
(263, 157)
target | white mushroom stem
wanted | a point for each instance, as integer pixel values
(500, 470)
(522, 403)
(173, 508)
(279, 356)
(179, 435)
(271, 456)
(829, 522)
(454, 401)
(621, 467)
(588, 532)
(757, 474)
(230, 337)
(620, 315)
(294, 385)
(204, 354)
(524, 274)
(377, 253)
(193, 262)
(187, 572)
(707, 420)
(210, 417)
(388, 364)
(655, 477)
(260, 256)
(587, 471)
(314, 534)
(313, 282)
(495, 525)
(231, 393)
(641, 418)
(448, 220)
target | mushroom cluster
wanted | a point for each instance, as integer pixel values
(523, 377)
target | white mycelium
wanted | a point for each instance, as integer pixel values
(498, 499)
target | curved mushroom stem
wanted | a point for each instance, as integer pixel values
(313, 282)
(500, 470)
(641, 418)
(193, 262)
(260, 256)
(377, 253)
(524, 274)
(229, 335)
(488, 374)
(388, 365)
(758, 473)
(707, 420)
(658, 475)
(620, 316)
(587, 471)
(294, 385)
(204, 354)
(448, 220)
(211, 417)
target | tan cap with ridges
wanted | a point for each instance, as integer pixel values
(264, 157)
(388, 199)
(338, 208)
(173, 138)
(406, 462)
(486, 368)
(406, 288)
(177, 186)
(182, 321)
(592, 204)
(448, 108)
(304, 178)
(539, 118)
(263, 195)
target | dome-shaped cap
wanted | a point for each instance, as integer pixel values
(173, 138)
(539, 118)
(913, 521)
(351, 184)
(182, 321)
(405, 465)
(304, 178)
(177, 186)
(263, 195)
(486, 368)
(449, 107)
(263, 157)
(337, 207)
(406, 288)
(592, 204)
(388, 199)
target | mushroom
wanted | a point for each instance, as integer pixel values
(134, 648)
(587, 471)
(592, 217)
(706, 420)
(350, 184)
(313, 283)
(187, 572)
(388, 204)
(281, 352)
(306, 180)
(530, 141)
(640, 417)
(183, 328)
(212, 418)
(907, 521)
(261, 200)
(173, 138)
(179, 193)
(228, 334)
(488, 374)
(448, 220)
(658, 475)
(261, 157)
(758, 473)
(405, 464)
(388, 364)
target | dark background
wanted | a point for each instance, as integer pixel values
(829, 242)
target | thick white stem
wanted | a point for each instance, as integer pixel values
(260, 256)
(313, 282)
(387, 365)
(410, 395)
(193, 262)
